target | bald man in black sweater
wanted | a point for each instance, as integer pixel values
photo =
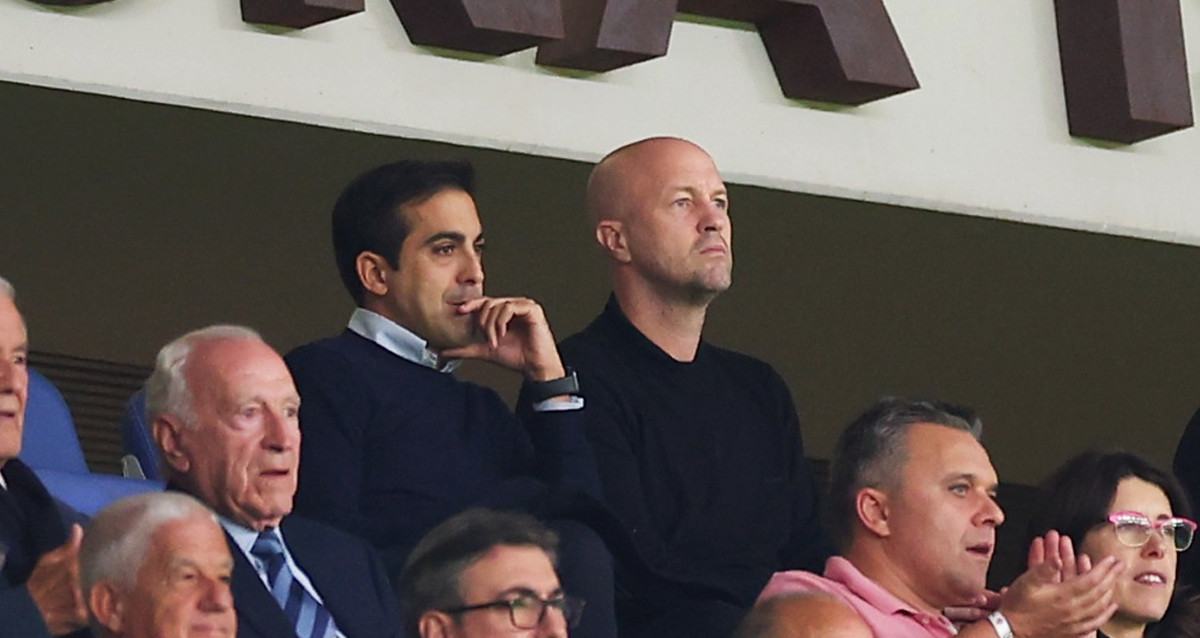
(698, 447)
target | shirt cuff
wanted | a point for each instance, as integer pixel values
(551, 405)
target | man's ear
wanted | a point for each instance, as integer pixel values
(167, 432)
(107, 606)
(610, 234)
(435, 624)
(871, 505)
(372, 271)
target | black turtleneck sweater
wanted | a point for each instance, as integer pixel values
(702, 461)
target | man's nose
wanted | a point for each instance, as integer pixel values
(715, 218)
(472, 270)
(991, 514)
(283, 433)
(14, 377)
(216, 596)
(553, 625)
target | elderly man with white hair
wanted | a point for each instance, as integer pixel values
(156, 564)
(39, 574)
(225, 416)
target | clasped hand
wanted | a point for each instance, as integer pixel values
(515, 334)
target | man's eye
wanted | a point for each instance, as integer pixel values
(522, 602)
(20, 359)
(959, 488)
(722, 204)
(446, 249)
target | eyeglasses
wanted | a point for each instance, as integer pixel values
(1134, 529)
(527, 611)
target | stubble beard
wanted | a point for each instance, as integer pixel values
(707, 284)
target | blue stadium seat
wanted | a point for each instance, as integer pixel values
(50, 446)
(135, 431)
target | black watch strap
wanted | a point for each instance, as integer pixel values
(541, 390)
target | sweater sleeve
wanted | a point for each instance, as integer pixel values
(562, 457)
(560, 448)
(334, 411)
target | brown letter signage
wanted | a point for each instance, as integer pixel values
(841, 51)
(494, 27)
(70, 3)
(1124, 69)
(297, 14)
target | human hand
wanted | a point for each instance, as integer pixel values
(1061, 594)
(977, 610)
(54, 586)
(515, 334)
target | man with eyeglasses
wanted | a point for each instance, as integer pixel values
(912, 502)
(485, 573)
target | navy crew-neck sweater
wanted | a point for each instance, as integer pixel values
(702, 460)
(390, 448)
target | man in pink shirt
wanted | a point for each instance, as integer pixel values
(913, 505)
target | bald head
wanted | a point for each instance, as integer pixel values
(661, 213)
(808, 615)
(621, 179)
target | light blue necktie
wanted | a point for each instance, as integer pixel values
(309, 617)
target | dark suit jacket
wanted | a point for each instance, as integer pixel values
(343, 568)
(31, 523)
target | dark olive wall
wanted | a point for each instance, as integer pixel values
(124, 224)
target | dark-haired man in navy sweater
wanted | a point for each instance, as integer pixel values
(393, 443)
(698, 447)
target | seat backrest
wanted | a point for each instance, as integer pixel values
(49, 441)
(135, 431)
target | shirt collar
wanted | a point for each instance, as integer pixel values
(397, 339)
(242, 536)
(627, 333)
(843, 571)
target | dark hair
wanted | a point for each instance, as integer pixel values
(431, 576)
(369, 216)
(871, 452)
(1076, 497)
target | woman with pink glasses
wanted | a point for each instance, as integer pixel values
(1118, 504)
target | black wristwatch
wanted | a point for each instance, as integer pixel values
(541, 390)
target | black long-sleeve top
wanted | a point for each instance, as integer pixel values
(702, 461)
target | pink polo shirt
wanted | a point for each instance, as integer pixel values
(888, 616)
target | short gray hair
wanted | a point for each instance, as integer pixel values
(872, 451)
(118, 537)
(7, 289)
(167, 390)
